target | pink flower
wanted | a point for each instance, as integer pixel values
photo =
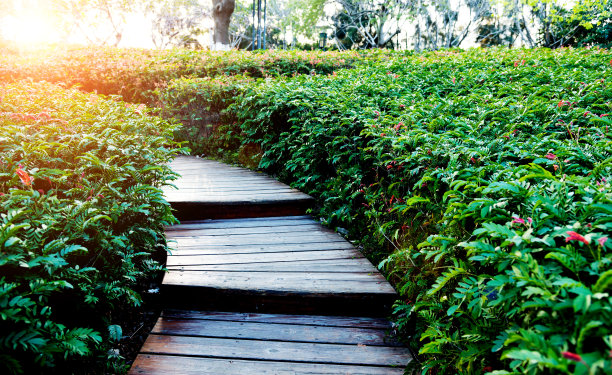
(398, 126)
(453, 79)
(516, 219)
(573, 236)
(602, 241)
(516, 64)
(551, 156)
(530, 220)
(572, 356)
(24, 176)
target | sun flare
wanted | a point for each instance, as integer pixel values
(30, 29)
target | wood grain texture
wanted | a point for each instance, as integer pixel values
(155, 364)
(206, 188)
(314, 320)
(358, 354)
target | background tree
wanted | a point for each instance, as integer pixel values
(176, 22)
(101, 22)
(222, 12)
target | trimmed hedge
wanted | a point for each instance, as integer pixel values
(81, 224)
(136, 73)
(481, 180)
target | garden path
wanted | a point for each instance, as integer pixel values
(254, 286)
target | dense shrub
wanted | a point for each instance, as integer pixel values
(484, 176)
(200, 105)
(136, 73)
(80, 224)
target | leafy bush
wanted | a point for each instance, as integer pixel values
(80, 223)
(481, 179)
(200, 104)
(136, 73)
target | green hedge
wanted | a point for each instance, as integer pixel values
(80, 224)
(481, 180)
(136, 73)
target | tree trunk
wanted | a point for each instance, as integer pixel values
(222, 12)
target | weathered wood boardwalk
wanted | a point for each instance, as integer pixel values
(254, 286)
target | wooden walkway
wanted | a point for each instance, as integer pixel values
(254, 286)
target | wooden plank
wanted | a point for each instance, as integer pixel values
(335, 265)
(289, 277)
(275, 283)
(279, 351)
(314, 227)
(243, 223)
(313, 320)
(259, 238)
(197, 249)
(260, 258)
(276, 332)
(198, 196)
(154, 364)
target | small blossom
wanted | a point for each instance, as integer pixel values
(530, 220)
(453, 79)
(573, 236)
(24, 176)
(562, 103)
(516, 219)
(555, 167)
(602, 241)
(398, 126)
(572, 356)
(551, 156)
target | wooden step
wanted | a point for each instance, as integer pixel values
(195, 342)
(278, 264)
(208, 189)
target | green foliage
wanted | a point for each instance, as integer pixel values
(480, 180)
(80, 221)
(136, 73)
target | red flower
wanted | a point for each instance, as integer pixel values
(572, 356)
(517, 220)
(398, 126)
(24, 176)
(487, 369)
(561, 103)
(573, 236)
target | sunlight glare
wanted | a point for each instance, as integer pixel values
(31, 29)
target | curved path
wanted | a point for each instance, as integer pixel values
(254, 286)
